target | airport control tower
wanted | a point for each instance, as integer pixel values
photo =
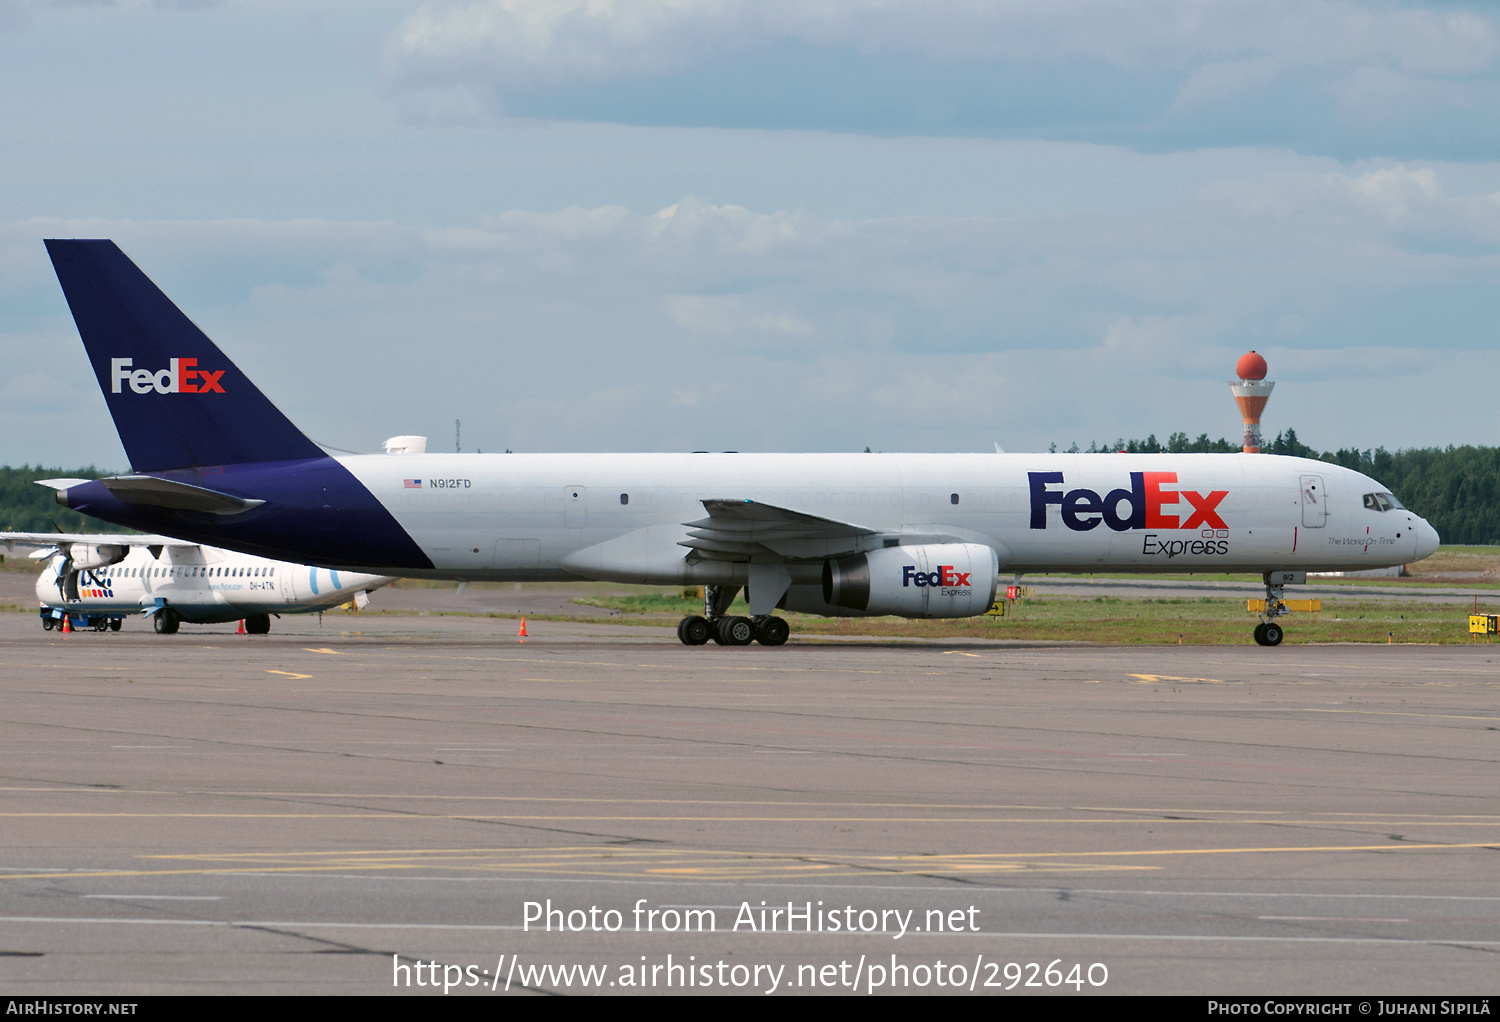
(1251, 393)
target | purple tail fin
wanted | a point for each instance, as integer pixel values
(177, 401)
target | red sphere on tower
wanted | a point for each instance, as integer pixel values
(1251, 393)
(1251, 366)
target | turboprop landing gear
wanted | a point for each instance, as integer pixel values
(1268, 632)
(166, 621)
(257, 624)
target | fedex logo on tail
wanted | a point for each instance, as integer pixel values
(182, 376)
(1083, 510)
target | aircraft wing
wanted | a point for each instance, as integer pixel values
(735, 529)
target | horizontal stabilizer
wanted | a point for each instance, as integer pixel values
(51, 540)
(155, 492)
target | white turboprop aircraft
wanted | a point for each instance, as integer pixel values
(918, 535)
(97, 580)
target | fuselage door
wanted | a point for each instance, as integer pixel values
(575, 506)
(1314, 502)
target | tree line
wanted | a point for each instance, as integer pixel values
(1457, 489)
(27, 507)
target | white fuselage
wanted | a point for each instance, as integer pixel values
(623, 517)
(201, 584)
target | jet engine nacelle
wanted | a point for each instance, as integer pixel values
(82, 557)
(933, 580)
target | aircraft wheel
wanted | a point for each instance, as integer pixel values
(114, 624)
(166, 622)
(258, 624)
(772, 631)
(693, 630)
(1271, 634)
(737, 631)
(1260, 634)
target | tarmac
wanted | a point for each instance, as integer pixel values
(333, 807)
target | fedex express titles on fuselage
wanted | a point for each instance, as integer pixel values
(1209, 512)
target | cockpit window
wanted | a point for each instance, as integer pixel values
(1383, 502)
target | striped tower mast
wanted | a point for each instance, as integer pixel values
(1251, 393)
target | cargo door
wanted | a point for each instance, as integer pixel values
(518, 554)
(1314, 502)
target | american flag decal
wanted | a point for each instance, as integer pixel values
(412, 484)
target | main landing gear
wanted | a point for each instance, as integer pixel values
(729, 630)
(1268, 632)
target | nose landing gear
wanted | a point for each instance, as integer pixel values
(1268, 632)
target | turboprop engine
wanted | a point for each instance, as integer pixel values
(82, 556)
(934, 580)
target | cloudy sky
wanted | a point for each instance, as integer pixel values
(769, 224)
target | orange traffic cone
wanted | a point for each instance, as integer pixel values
(67, 624)
(242, 627)
(522, 632)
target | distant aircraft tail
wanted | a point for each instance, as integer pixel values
(177, 401)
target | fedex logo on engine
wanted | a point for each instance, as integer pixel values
(945, 576)
(1083, 510)
(182, 376)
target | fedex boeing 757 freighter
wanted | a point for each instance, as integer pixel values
(916, 535)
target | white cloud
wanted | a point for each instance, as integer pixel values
(1180, 345)
(715, 326)
(31, 393)
(1380, 94)
(1381, 204)
(727, 314)
(1221, 80)
(1397, 194)
(530, 42)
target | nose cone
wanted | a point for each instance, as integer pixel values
(1427, 539)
